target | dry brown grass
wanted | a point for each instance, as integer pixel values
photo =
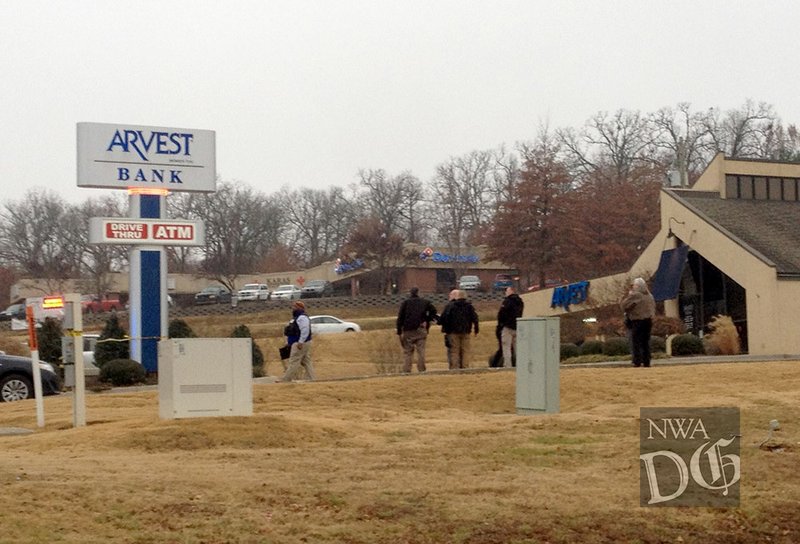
(417, 459)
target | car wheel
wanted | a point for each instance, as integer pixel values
(15, 387)
(349, 329)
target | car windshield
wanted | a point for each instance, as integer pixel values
(210, 290)
(469, 278)
(285, 288)
(315, 283)
(250, 286)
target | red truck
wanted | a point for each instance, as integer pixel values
(101, 303)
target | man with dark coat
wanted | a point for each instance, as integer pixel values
(510, 309)
(413, 321)
(458, 319)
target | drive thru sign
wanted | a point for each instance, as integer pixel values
(105, 230)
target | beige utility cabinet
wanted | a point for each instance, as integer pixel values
(202, 377)
(538, 360)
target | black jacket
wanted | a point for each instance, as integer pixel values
(459, 317)
(414, 313)
(510, 310)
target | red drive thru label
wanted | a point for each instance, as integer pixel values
(126, 230)
(166, 231)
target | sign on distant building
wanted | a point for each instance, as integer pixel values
(158, 232)
(132, 156)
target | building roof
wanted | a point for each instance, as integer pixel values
(769, 229)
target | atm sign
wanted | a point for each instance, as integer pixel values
(173, 232)
(146, 232)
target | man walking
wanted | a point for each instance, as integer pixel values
(458, 320)
(510, 309)
(298, 336)
(413, 322)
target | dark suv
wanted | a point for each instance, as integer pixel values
(213, 294)
(502, 281)
(317, 288)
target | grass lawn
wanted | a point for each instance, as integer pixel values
(414, 459)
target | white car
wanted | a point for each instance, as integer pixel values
(286, 292)
(253, 291)
(323, 324)
(89, 344)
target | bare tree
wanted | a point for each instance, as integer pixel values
(741, 132)
(609, 146)
(241, 226)
(682, 135)
(462, 198)
(30, 237)
(319, 222)
(95, 262)
(394, 201)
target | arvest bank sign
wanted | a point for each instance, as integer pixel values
(130, 156)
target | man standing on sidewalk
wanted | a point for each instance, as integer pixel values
(510, 310)
(413, 322)
(298, 336)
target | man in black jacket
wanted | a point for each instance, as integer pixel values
(413, 321)
(510, 310)
(458, 319)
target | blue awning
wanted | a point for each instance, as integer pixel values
(667, 279)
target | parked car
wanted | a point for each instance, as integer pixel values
(213, 294)
(317, 288)
(101, 303)
(324, 324)
(89, 345)
(547, 285)
(502, 282)
(16, 378)
(253, 291)
(469, 283)
(286, 292)
(170, 302)
(15, 311)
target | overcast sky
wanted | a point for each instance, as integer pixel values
(307, 93)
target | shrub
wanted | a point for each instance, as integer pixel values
(657, 344)
(49, 340)
(387, 354)
(569, 350)
(611, 326)
(122, 372)
(591, 347)
(664, 326)
(112, 343)
(687, 344)
(178, 328)
(616, 346)
(723, 338)
(242, 331)
(573, 329)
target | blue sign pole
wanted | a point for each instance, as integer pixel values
(147, 288)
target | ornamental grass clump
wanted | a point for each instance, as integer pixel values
(723, 338)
